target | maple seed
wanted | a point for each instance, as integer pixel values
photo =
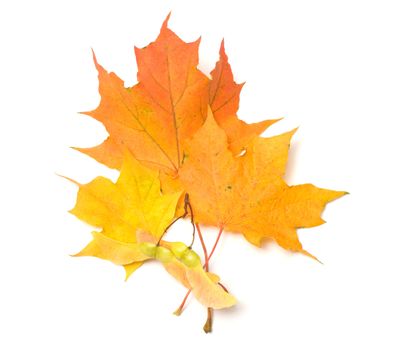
(178, 249)
(148, 249)
(190, 258)
(163, 254)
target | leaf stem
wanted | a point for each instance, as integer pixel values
(188, 205)
(221, 229)
(206, 258)
(223, 287)
(179, 310)
(187, 209)
(208, 325)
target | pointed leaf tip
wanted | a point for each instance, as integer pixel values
(94, 58)
(306, 253)
(222, 48)
(69, 179)
(166, 20)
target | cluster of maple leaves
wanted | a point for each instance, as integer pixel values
(182, 152)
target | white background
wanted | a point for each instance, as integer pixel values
(330, 67)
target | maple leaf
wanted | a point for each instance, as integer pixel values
(247, 194)
(153, 118)
(120, 209)
(132, 214)
(224, 96)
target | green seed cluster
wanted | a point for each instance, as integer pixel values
(178, 250)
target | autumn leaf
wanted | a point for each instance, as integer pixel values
(247, 194)
(120, 209)
(153, 118)
(133, 215)
(224, 95)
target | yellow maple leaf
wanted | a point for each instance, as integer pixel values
(120, 209)
(133, 214)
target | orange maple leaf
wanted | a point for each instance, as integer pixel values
(224, 95)
(247, 194)
(153, 118)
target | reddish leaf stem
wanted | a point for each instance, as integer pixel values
(205, 266)
(206, 258)
(179, 310)
(215, 244)
(223, 287)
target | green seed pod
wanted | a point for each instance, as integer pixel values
(190, 258)
(148, 249)
(178, 249)
(163, 254)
